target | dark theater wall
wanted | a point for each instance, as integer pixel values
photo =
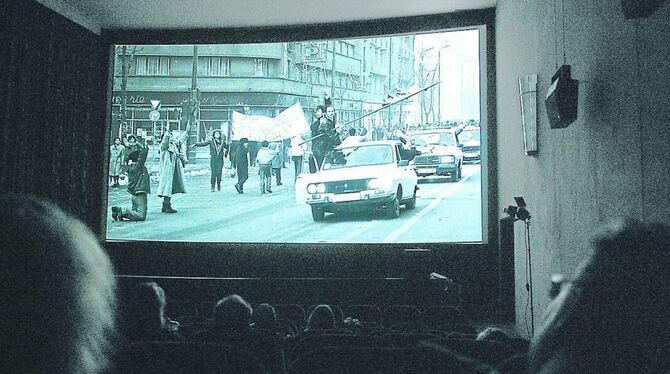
(52, 109)
(613, 161)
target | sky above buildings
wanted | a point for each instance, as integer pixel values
(458, 70)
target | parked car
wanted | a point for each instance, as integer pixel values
(440, 154)
(360, 177)
(470, 141)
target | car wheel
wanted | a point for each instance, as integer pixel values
(411, 204)
(317, 214)
(393, 210)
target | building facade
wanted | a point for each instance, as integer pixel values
(259, 79)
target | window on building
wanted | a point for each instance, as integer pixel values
(218, 67)
(261, 67)
(148, 65)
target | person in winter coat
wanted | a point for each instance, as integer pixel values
(317, 140)
(218, 150)
(116, 155)
(277, 161)
(265, 159)
(172, 160)
(242, 164)
(138, 188)
(297, 154)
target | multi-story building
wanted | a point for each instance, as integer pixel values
(261, 79)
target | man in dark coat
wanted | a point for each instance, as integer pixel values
(138, 188)
(317, 140)
(242, 163)
(218, 149)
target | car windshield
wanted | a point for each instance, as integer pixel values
(434, 138)
(359, 156)
(469, 135)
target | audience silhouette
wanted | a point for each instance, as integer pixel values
(59, 312)
(58, 298)
(145, 315)
(613, 317)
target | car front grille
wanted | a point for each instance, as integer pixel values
(347, 186)
(472, 149)
(426, 160)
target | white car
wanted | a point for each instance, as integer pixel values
(440, 154)
(360, 177)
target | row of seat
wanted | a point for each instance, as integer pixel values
(199, 357)
(432, 317)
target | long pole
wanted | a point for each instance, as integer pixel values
(377, 110)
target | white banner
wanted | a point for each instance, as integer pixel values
(289, 123)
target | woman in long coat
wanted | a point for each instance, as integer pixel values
(218, 149)
(116, 151)
(171, 168)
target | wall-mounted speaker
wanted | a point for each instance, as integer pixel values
(639, 8)
(562, 99)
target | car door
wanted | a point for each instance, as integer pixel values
(406, 175)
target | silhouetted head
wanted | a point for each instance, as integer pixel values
(145, 306)
(321, 318)
(216, 134)
(352, 131)
(58, 292)
(265, 316)
(232, 314)
(265, 143)
(494, 334)
(613, 317)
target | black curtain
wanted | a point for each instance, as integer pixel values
(52, 109)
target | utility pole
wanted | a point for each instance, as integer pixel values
(193, 107)
(194, 76)
(390, 113)
(332, 75)
(439, 85)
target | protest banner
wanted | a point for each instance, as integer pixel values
(289, 123)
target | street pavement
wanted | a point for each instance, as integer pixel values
(445, 212)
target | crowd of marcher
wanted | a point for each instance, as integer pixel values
(269, 158)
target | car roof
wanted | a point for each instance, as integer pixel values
(430, 131)
(392, 143)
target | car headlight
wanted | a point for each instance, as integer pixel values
(374, 183)
(320, 188)
(447, 159)
(380, 184)
(311, 188)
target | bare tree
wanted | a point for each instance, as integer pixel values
(125, 56)
(425, 77)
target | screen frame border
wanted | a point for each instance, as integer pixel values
(327, 260)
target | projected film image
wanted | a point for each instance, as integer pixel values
(366, 140)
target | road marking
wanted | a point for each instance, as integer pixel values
(412, 221)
